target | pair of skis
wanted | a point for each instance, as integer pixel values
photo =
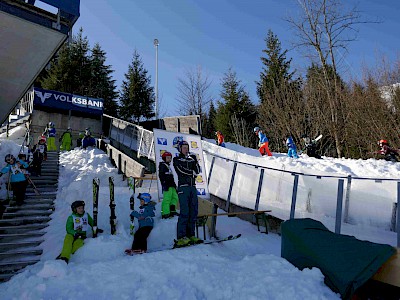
(113, 218)
(206, 242)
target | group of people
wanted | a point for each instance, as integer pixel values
(187, 167)
(310, 145)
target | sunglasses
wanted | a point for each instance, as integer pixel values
(9, 160)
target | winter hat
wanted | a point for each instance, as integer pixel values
(8, 157)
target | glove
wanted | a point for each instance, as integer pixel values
(100, 230)
(79, 236)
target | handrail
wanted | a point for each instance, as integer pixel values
(300, 173)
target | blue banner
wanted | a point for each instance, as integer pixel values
(64, 101)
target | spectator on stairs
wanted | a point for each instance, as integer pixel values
(17, 178)
(39, 155)
(50, 133)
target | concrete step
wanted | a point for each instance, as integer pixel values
(45, 177)
(42, 189)
(6, 267)
(23, 228)
(44, 196)
(8, 237)
(15, 245)
(23, 213)
(18, 253)
(24, 221)
(26, 206)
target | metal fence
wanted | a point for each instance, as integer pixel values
(289, 194)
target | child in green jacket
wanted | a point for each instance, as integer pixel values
(77, 225)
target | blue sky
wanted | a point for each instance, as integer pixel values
(217, 35)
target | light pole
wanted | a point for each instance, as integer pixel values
(156, 104)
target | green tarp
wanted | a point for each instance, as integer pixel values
(347, 263)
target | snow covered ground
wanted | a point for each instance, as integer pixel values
(247, 268)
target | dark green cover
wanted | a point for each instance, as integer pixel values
(346, 262)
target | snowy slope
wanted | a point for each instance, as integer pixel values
(247, 268)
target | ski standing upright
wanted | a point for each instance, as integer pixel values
(96, 185)
(113, 218)
(131, 183)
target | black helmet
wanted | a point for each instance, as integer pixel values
(76, 204)
(181, 144)
(8, 157)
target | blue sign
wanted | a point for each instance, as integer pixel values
(64, 101)
(162, 141)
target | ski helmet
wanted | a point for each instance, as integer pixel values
(51, 124)
(76, 204)
(181, 144)
(256, 129)
(8, 157)
(382, 142)
(165, 154)
(146, 197)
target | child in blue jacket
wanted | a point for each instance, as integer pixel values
(292, 150)
(17, 177)
(146, 222)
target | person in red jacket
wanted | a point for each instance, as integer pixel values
(390, 154)
(220, 139)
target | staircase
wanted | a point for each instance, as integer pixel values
(22, 227)
(14, 123)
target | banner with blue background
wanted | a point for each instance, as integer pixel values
(64, 101)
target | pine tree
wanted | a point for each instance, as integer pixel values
(137, 96)
(235, 105)
(275, 71)
(207, 123)
(101, 84)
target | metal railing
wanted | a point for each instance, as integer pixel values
(292, 192)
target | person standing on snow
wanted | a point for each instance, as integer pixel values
(170, 197)
(50, 133)
(77, 225)
(263, 142)
(186, 167)
(146, 222)
(66, 140)
(389, 153)
(292, 150)
(17, 177)
(220, 139)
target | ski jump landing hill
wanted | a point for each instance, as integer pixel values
(343, 201)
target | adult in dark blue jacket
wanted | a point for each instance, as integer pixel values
(146, 222)
(17, 177)
(187, 168)
(88, 141)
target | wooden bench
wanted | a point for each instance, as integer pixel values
(202, 220)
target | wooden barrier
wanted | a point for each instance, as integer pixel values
(203, 218)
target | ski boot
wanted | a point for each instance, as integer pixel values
(195, 240)
(167, 216)
(62, 258)
(182, 242)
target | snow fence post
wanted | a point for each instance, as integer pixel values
(260, 182)
(211, 168)
(294, 195)
(398, 214)
(228, 199)
(339, 205)
(347, 201)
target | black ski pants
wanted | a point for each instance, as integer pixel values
(140, 238)
(19, 189)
